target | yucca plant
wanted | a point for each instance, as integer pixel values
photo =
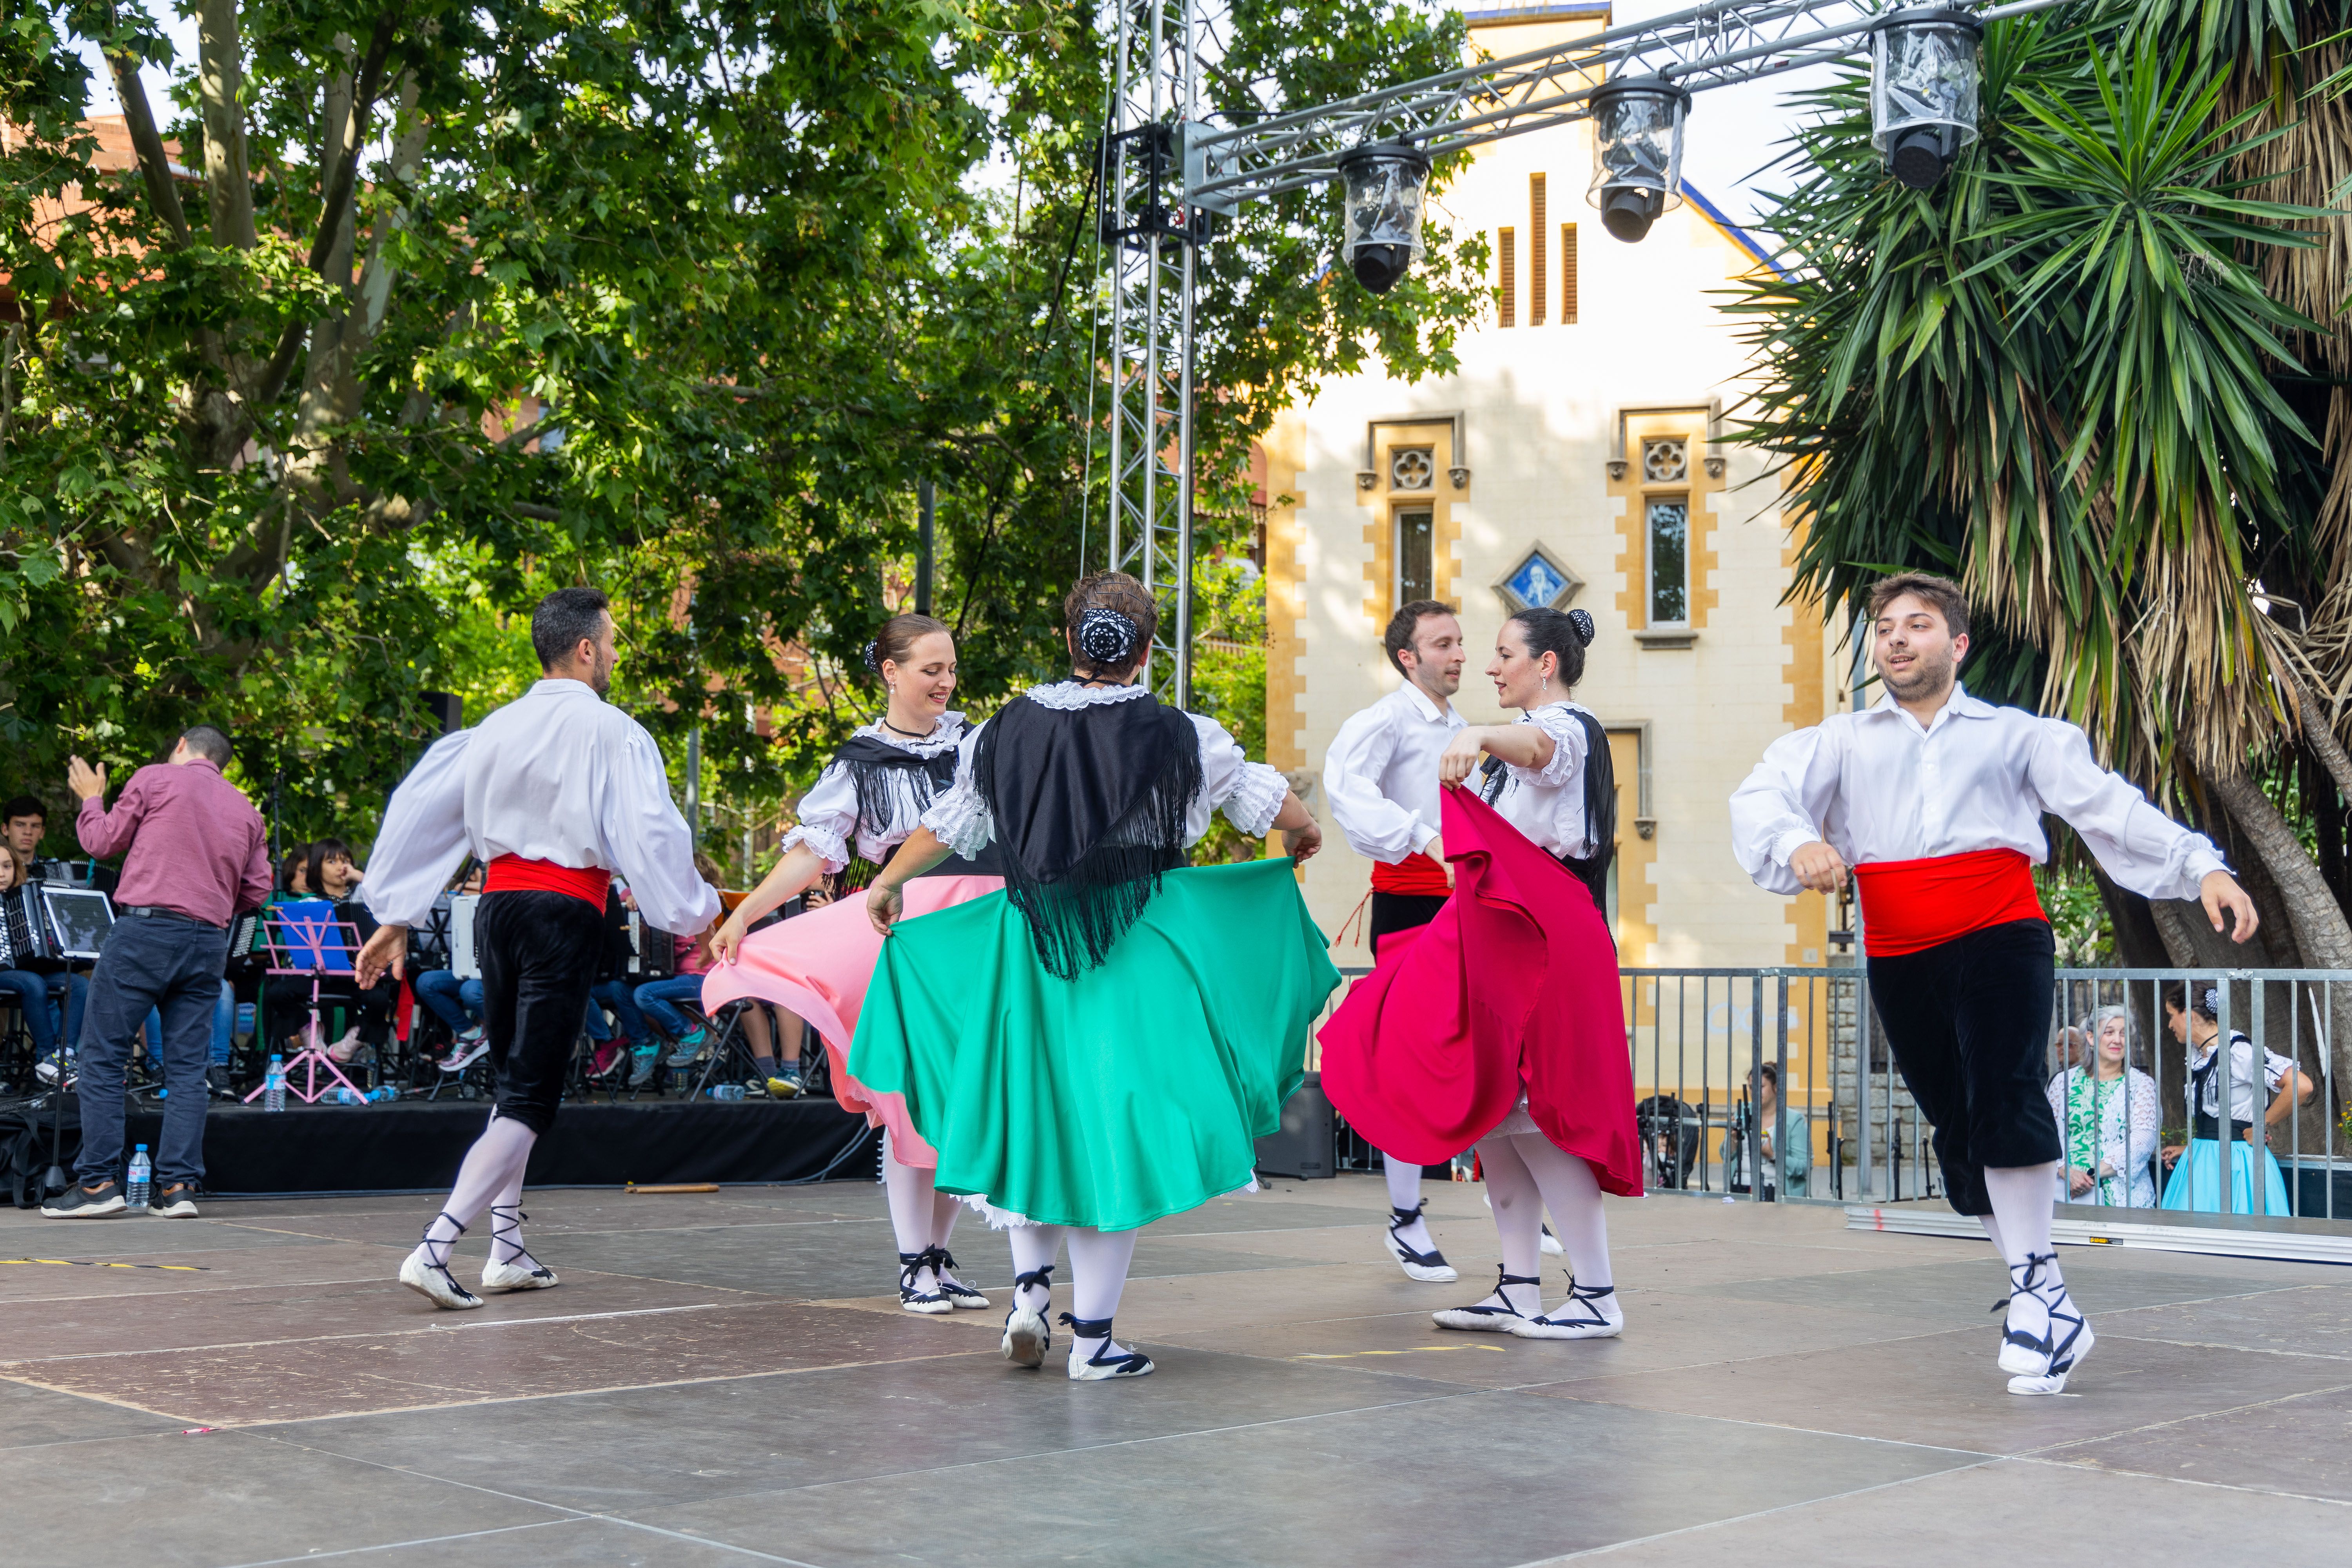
(2086, 374)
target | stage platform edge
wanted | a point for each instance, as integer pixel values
(2286, 1238)
(416, 1144)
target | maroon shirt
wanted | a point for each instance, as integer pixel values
(196, 844)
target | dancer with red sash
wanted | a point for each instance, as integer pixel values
(868, 800)
(1380, 774)
(1933, 801)
(1498, 1022)
(553, 792)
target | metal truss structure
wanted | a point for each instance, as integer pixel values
(1165, 176)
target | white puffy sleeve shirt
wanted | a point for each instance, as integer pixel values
(828, 813)
(1877, 786)
(559, 774)
(1546, 803)
(1249, 793)
(1380, 772)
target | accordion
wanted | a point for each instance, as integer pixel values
(42, 926)
(653, 952)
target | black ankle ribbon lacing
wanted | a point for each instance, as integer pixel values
(2058, 1354)
(514, 1216)
(1100, 1329)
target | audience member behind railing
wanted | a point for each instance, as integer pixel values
(2196, 1181)
(2108, 1112)
(1788, 1151)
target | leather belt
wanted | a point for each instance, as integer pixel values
(158, 912)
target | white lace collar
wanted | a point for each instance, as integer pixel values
(1071, 694)
(945, 735)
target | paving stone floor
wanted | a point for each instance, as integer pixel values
(726, 1378)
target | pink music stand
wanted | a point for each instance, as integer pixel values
(292, 938)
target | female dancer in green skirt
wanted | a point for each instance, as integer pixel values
(1104, 1042)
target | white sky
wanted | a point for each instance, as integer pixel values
(1734, 132)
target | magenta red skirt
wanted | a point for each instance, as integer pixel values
(817, 965)
(1512, 990)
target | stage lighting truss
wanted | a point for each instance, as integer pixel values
(1165, 176)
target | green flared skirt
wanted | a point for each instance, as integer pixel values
(1139, 1089)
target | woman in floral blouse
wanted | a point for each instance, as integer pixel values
(2108, 1118)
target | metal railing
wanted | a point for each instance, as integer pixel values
(1699, 1039)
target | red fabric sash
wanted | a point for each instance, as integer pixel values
(513, 874)
(1512, 989)
(1908, 906)
(1416, 876)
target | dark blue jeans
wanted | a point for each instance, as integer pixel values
(457, 1002)
(34, 993)
(620, 997)
(173, 967)
(658, 999)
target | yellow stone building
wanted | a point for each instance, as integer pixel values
(1576, 458)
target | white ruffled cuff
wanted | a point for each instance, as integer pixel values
(826, 846)
(1567, 734)
(960, 820)
(1256, 799)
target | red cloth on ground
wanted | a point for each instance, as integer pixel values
(1415, 875)
(1512, 988)
(513, 874)
(1909, 906)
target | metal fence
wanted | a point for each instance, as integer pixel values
(1848, 1131)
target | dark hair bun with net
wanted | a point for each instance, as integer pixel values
(1584, 625)
(874, 656)
(1106, 637)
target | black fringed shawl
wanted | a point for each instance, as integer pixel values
(1600, 806)
(888, 777)
(1089, 805)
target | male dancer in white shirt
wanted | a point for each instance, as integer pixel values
(1381, 775)
(553, 793)
(1933, 801)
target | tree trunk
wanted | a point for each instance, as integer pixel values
(2321, 932)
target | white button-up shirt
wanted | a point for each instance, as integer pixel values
(558, 774)
(1381, 773)
(1877, 786)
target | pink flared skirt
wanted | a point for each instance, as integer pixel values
(817, 965)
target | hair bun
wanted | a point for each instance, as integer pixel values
(1582, 622)
(874, 656)
(1106, 637)
(2212, 1001)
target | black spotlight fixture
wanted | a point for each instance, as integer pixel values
(1384, 182)
(1922, 90)
(1637, 153)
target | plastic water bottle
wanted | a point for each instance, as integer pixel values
(143, 1179)
(382, 1094)
(273, 1087)
(726, 1091)
(346, 1095)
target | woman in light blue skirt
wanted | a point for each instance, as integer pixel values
(2196, 1181)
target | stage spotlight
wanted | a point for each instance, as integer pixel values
(1385, 184)
(1637, 153)
(1923, 91)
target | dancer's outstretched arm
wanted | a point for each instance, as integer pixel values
(791, 878)
(884, 902)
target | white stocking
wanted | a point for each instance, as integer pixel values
(911, 1194)
(506, 1213)
(2024, 1204)
(1574, 1197)
(1034, 1246)
(496, 1159)
(1518, 1202)
(1405, 1193)
(1099, 1264)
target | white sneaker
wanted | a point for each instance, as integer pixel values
(470, 1048)
(514, 1277)
(438, 1284)
(344, 1050)
(1587, 1315)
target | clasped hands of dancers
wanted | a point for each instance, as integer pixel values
(1042, 1046)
